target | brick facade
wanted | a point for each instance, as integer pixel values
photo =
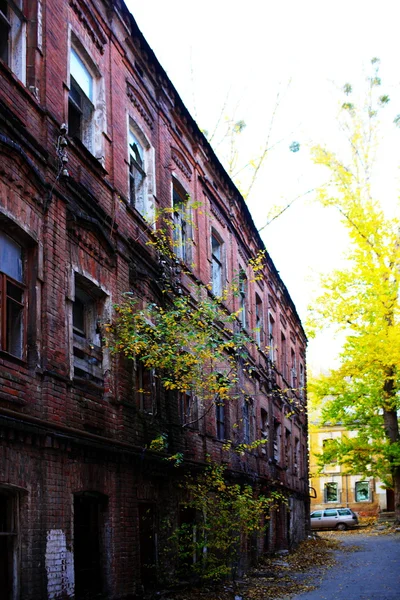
(74, 460)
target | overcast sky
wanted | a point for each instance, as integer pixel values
(226, 53)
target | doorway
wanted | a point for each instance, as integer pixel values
(89, 565)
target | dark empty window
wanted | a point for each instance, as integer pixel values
(188, 409)
(259, 320)
(243, 298)
(220, 418)
(12, 297)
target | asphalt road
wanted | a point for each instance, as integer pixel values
(370, 573)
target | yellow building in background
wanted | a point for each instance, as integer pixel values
(333, 486)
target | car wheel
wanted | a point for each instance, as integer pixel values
(341, 527)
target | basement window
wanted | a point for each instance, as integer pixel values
(13, 36)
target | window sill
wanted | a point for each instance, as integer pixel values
(14, 359)
(76, 144)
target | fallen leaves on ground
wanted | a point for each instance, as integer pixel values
(275, 577)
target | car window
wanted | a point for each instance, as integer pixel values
(330, 513)
(344, 511)
(316, 514)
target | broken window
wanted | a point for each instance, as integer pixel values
(331, 492)
(271, 337)
(259, 320)
(293, 369)
(246, 421)
(216, 265)
(296, 456)
(188, 409)
(87, 310)
(283, 356)
(8, 544)
(362, 491)
(180, 225)
(288, 447)
(13, 36)
(264, 430)
(80, 101)
(12, 297)
(137, 174)
(277, 441)
(243, 298)
(145, 388)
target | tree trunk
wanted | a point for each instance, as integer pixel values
(391, 425)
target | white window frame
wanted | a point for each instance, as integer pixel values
(15, 22)
(368, 499)
(217, 264)
(146, 205)
(335, 485)
(92, 136)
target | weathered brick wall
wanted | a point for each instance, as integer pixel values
(59, 437)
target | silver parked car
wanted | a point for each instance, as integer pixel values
(333, 518)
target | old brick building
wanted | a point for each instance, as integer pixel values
(81, 495)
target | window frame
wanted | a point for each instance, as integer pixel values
(259, 329)
(5, 280)
(217, 264)
(87, 357)
(332, 484)
(365, 482)
(243, 292)
(271, 337)
(15, 48)
(180, 233)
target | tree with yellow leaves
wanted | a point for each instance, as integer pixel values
(362, 300)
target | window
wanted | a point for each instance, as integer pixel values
(242, 298)
(293, 369)
(220, 418)
(296, 456)
(246, 421)
(259, 320)
(145, 388)
(180, 225)
(216, 265)
(13, 36)
(288, 447)
(329, 449)
(271, 337)
(188, 409)
(277, 441)
(362, 491)
(81, 101)
(8, 543)
(283, 356)
(87, 310)
(301, 381)
(137, 174)
(316, 514)
(331, 493)
(12, 297)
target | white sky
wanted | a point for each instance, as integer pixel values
(244, 53)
